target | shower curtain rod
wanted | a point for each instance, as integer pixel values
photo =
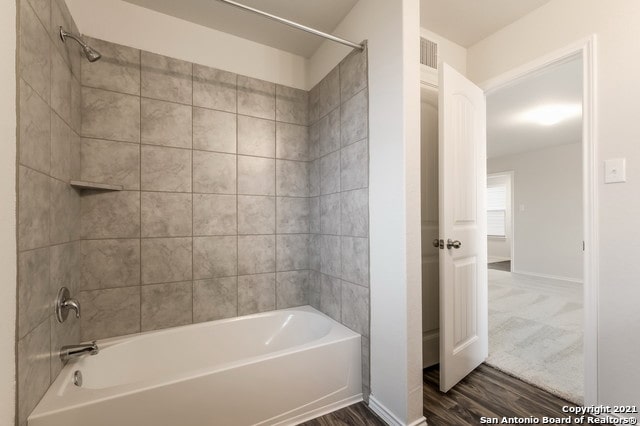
(295, 24)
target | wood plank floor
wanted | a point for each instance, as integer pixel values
(501, 266)
(484, 393)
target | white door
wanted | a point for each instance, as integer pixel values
(463, 255)
(430, 228)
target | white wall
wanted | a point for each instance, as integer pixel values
(553, 26)
(121, 22)
(499, 248)
(8, 251)
(392, 30)
(548, 233)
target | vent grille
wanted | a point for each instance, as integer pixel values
(428, 53)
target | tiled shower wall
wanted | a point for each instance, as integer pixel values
(213, 221)
(339, 198)
(48, 208)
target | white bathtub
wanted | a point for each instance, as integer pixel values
(275, 368)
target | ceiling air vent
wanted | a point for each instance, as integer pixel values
(428, 53)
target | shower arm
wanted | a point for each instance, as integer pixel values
(296, 25)
(64, 34)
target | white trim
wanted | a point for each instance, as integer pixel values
(319, 412)
(587, 49)
(551, 277)
(390, 418)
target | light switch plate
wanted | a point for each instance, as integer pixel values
(615, 170)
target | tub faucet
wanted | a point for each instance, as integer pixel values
(76, 351)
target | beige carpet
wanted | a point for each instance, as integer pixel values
(535, 332)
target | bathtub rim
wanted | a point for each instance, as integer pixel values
(62, 387)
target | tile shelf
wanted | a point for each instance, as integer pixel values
(81, 184)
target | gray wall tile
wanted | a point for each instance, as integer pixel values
(330, 214)
(355, 213)
(33, 369)
(330, 173)
(166, 305)
(42, 8)
(165, 169)
(313, 291)
(166, 78)
(214, 130)
(214, 172)
(33, 212)
(355, 166)
(329, 133)
(215, 257)
(60, 87)
(166, 214)
(256, 214)
(215, 89)
(215, 299)
(355, 118)
(35, 297)
(292, 178)
(292, 252)
(256, 293)
(60, 149)
(64, 266)
(329, 92)
(314, 141)
(256, 98)
(292, 142)
(166, 259)
(76, 106)
(110, 115)
(117, 163)
(256, 254)
(353, 74)
(314, 178)
(256, 176)
(215, 214)
(256, 137)
(166, 123)
(357, 316)
(330, 255)
(35, 130)
(331, 296)
(292, 105)
(118, 70)
(355, 260)
(35, 45)
(109, 313)
(314, 252)
(65, 212)
(293, 215)
(314, 215)
(292, 289)
(109, 263)
(110, 214)
(60, 16)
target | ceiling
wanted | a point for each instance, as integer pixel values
(513, 112)
(323, 15)
(466, 22)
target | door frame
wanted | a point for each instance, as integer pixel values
(586, 48)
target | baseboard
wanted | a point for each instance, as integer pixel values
(551, 277)
(496, 259)
(390, 418)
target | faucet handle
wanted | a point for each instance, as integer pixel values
(64, 303)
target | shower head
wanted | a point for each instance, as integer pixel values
(90, 53)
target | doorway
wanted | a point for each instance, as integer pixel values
(534, 161)
(584, 49)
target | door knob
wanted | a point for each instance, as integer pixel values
(453, 244)
(438, 243)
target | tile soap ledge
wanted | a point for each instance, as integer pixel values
(81, 184)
